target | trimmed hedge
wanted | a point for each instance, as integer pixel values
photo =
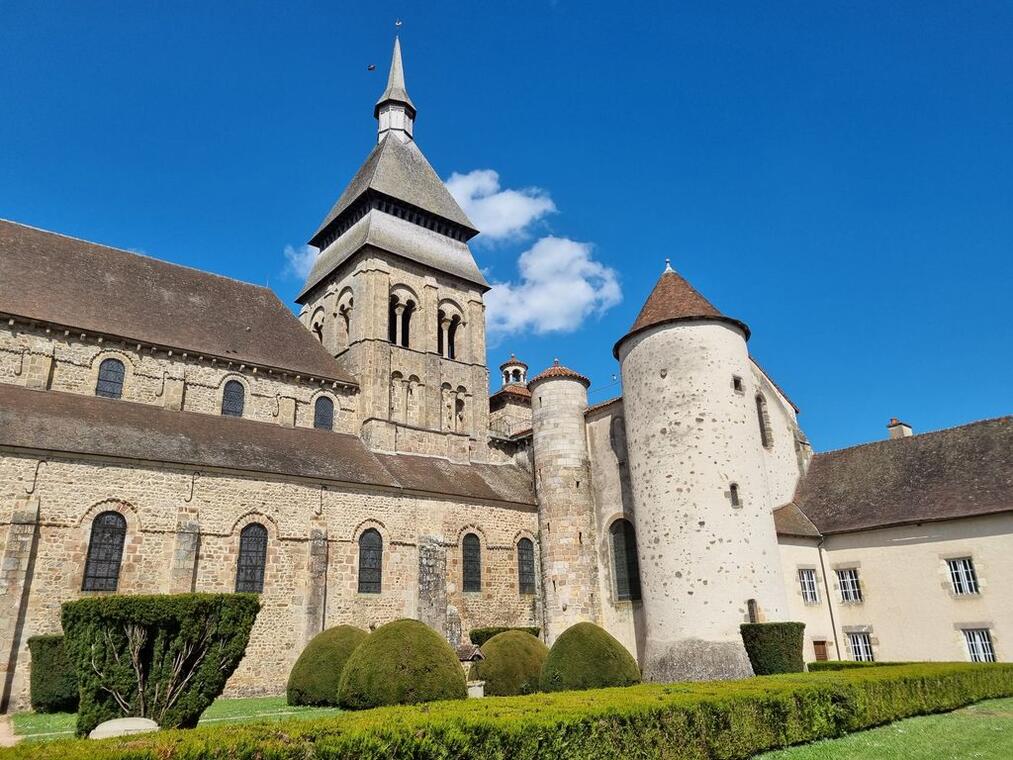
(685, 721)
(53, 682)
(316, 675)
(401, 663)
(586, 656)
(815, 667)
(163, 657)
(479, 636)
(512, 665)
(774, 647)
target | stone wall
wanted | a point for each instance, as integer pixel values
(60, 360)
(183, 534)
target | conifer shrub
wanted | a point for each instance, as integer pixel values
(400, 663)
(316, 675)
(53, 683)
(512, 665)
(163, 657)
(586, 656)
(479, 636)
(774, 647)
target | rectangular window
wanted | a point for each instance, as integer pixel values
(979, 644)
(962, 575)
(861, 647)
(807, 581)
(851, 589)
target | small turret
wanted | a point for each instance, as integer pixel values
(394, 111)
(565, 503)
(515, 372)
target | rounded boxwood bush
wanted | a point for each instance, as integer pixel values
(316, 675)
(774, 647)
(586, 656)
(512, 665)
(401, 663)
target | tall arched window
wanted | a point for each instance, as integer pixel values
(323, 413)
(110, 378)
(525, 566)
(624, 555)
(761, 417)
(471, 553)
(399, 319)
(370, 562)
(105, 552)
(233, 399)
(252, 558)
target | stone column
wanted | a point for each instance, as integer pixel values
(316, 578)
(15, 582)
(399, 324)
(185, 550)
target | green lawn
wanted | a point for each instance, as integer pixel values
(983, 731)
(42, 727)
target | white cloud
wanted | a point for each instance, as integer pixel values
(498, 214)
(299, 261)
(560, 286)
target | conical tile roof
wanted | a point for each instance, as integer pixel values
(674, 300)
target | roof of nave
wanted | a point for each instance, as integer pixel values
(513, 389)
(964, 471)
(54, 421)
(93, 288)
(675, 300)
(558, 370)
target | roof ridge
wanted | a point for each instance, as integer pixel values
(927, 433)
(147, 256)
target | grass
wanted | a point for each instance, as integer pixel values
(47, 726)
(983, 731)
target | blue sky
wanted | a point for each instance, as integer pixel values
(837, 175)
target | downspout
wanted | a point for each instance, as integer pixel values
(830, 603)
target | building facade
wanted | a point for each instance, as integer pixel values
(165, 430)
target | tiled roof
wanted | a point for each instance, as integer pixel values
(790, 521)
(513, 361)
(70, 423)
(514, 389)
(603, 404)
(558, 370)
(959, 472)
(97, 289)
(673, 300)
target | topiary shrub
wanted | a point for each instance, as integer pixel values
(512, 665)
(825, 665)
(586, 656)
(401, 663)
(316, 675)
(774, 647)
(479, 636)
(53, 682)
(160, 657)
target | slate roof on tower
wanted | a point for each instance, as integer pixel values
(675, 300)
(97, 289)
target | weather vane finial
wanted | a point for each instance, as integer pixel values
(397, 23)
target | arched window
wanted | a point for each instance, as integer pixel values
(471, 553)
(323, 413)
(233, 399)
(252, 558)
(624, 555)
(733, 494)
(399, 320)
(525, 566)
(761, 417)
(452, 337)
(110, 378)
(406, 323)
(370, 562)
(105, 552)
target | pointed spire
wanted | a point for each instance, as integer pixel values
(673, 300)
(396, 92)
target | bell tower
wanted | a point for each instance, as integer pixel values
(397, 297)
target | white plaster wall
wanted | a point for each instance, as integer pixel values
(781, 458)
(803, 553)
(690, 435)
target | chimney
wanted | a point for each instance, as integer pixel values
(898, 429)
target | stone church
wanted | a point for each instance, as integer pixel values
(164, 429)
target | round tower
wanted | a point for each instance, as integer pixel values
(707, 546)
(565, 506)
